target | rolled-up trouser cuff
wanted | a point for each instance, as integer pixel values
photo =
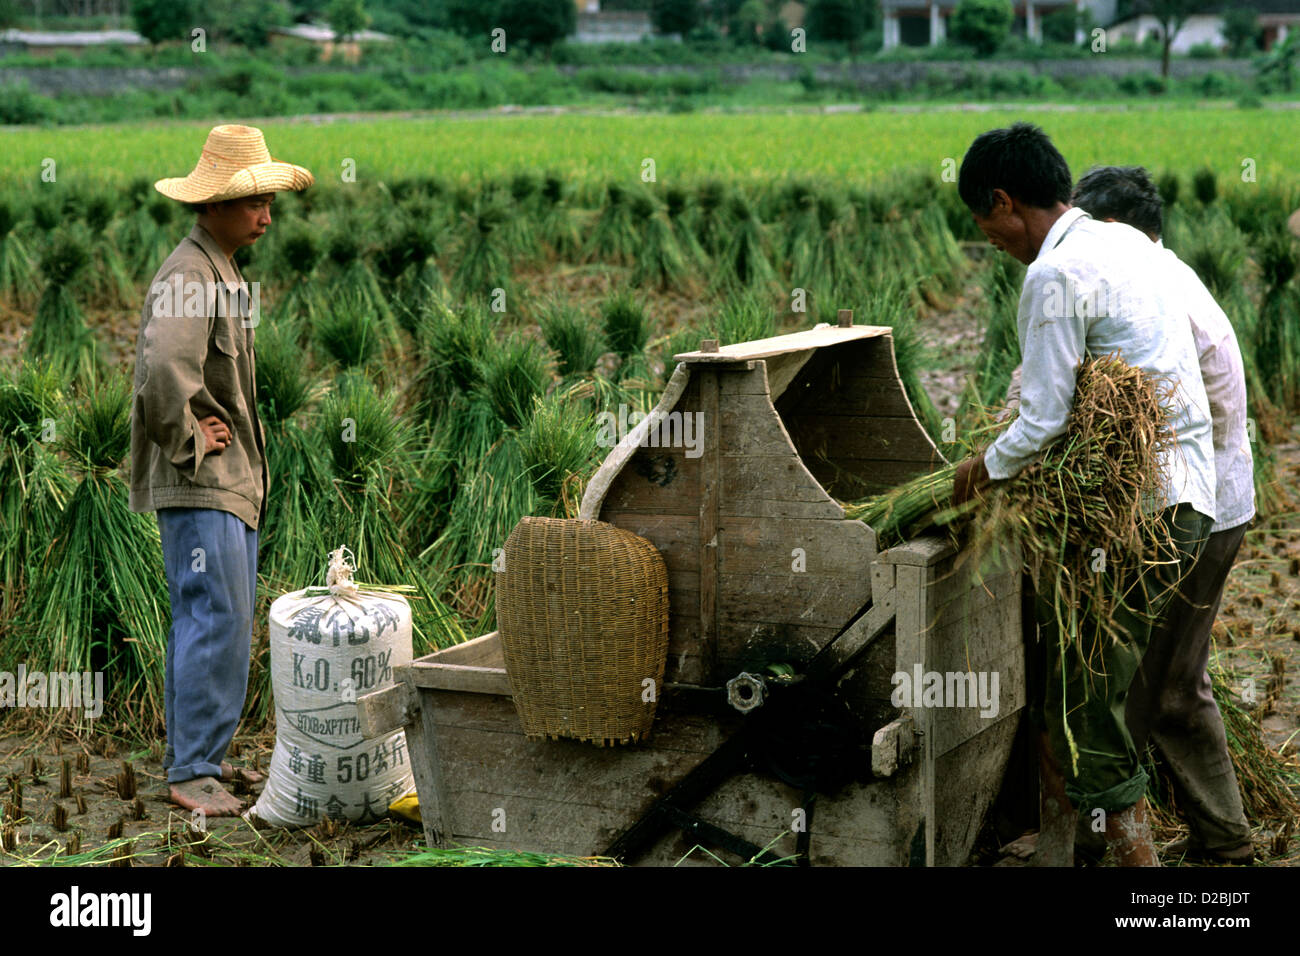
(1119, 797)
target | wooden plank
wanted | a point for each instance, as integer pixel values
(848, 480)
(709, 497)
(838, 548)
(781, 344)
(910, 647)
(483, 651)
(676, 537)
(425, 750)
(817, 600)
(655, 481)
(968, 781)
(891, 746)
(865, 437)
(782, 370)
(594, 496)
(478, 680)
(383, 711)
(921, 552)
(749, 644)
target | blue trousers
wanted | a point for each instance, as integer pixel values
(211, 562)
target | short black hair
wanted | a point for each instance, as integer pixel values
(1123, 193)
(1021, 161)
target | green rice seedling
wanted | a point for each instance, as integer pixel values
(942, 256)
(514, 373)
(519, 234)
(745, 262)
(871, 206)
(712, 222)
(1205, 185)
(1168, 185)
(1000, 348)
(47, 213)
(573, 337)
(405, 262)
(677, 205)
(348, 333)
(297, 257)
(352, 277)
(658, 261)
(743, 317)
(916, 188)
(34, 485)
(801, 233)
(557, 446)
(370, 449)
(452, 345)
(1276, 338)
(59, 330)
(493, 493)
(614, 238)
(99, 597)
(17, 270)
(626, 325)
(1211, 245)
(485, 263)
(556, 227)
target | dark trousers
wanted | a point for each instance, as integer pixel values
(1171, 702)
(1088, 669)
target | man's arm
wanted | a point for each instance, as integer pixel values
(174, 353)
(1053, 346)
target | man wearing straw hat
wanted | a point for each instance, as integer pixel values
(1018, 188)
(198, 453)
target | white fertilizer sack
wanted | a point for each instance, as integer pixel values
(327, 648)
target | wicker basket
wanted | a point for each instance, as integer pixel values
(582, 609)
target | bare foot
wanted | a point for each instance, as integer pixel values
(1022, 848)
(206, 794)
(229, 772)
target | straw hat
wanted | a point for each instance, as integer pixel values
(235, 162)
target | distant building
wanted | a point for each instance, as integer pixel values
(1276, 18)
(610, 26)
(51, 42)
(921, 23)
(322, 36)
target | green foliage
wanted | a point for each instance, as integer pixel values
(1241, 30)
(159, 20)
(838, 21)
(675, 16)
(983, 25)
(1205, 185)
(249, 22)
(573, 337)
(627, 328)
(513, 374)
(346, 17)
(541, 23)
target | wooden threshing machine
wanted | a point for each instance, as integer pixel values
(821, 767)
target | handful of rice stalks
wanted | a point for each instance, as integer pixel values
(1097, 486)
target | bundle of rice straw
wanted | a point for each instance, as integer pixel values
(1096, 486)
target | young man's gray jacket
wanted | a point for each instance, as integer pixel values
(194, 358)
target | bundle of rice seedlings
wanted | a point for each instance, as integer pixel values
(557, 446)
(1276, 337)
(1211, 245)
(47, 212)
(1095, 483)
(800, 233)
(744, 316)
(942, 257)
(484, 264)
(574, 338)
(405, 262)
(712, 226)
(34, 485)
(59, 330)
(17, 271)
(556, 226)
(1000, 348)
(98, 599)
(519, 234)
(745, 262)
(349, 333)
(369, 453)
(514, 373)
(614, 238)
(677, 204)
(626, 325)
(297, 256)
(659, 259)
(1205, 185)
(352, 275)
(451, 346)
(1168, 184)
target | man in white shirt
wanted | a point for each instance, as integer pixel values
(1092, 288)
(1171, 700)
